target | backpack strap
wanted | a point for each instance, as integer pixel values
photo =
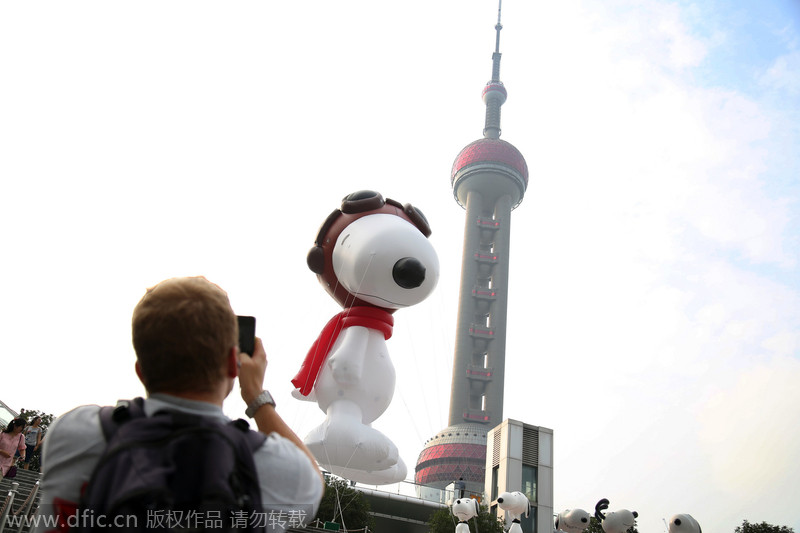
(254, 438)
(112, 417)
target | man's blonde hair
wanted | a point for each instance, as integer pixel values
(183, 330)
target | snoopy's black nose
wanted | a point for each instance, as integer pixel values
(409, 273)
(677, 521)
(499, 500)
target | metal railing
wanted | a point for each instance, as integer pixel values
(24, 511)
(9, 501)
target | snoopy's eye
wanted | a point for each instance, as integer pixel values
(345, 238)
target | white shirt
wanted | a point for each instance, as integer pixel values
(290, 486)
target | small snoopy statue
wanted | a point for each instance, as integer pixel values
(515, 504)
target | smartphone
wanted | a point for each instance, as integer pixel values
(247, 334)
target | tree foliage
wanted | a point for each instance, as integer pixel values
(47, 419)
(443, 521)
(594, 526)
(763, 527)
(344, 505)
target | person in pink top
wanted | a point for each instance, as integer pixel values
(11, 440)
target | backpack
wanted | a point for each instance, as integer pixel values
(172, 471)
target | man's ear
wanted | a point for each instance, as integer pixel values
(233, 362)
(138, 368)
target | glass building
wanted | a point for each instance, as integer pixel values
(6, 415)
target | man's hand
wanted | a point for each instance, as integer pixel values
(251, 372)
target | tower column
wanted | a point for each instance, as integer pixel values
(460, 396)
(499, 310)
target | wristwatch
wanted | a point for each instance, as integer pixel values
(261, 400)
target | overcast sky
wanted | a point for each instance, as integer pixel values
(654, 313)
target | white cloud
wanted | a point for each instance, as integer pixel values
(784, 74)
(748, 429)
(783, 343)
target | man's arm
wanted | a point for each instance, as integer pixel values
(251, 381)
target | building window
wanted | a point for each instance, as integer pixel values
(495, 474)
(529, 482)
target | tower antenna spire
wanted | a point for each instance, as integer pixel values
(498, 27)
(494, 94)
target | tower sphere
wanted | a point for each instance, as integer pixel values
(494, 90)
(491, 167)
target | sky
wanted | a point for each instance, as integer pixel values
(654, 308)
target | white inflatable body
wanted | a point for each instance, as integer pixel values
(684, 523)
(515, 504)
(572, 520)
(354, 388)
(617, 521)
(464, 509)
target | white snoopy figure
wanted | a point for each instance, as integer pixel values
(464, 509)
(684, 523)
(572, 520)
(617, 521)
(373, 257)
(515, 504)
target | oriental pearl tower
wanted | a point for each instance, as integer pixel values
(489, 178)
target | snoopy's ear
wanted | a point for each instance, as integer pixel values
(316, 256)
(528, 512)
(316, 260)
(477, 507)
(418, 218)
(601, 506)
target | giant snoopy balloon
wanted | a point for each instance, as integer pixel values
(515, 504)
(373, 257)
(572, 520)
(617, 521)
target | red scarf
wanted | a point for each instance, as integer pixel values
(368, 317)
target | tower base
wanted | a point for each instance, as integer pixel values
(456, 452)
